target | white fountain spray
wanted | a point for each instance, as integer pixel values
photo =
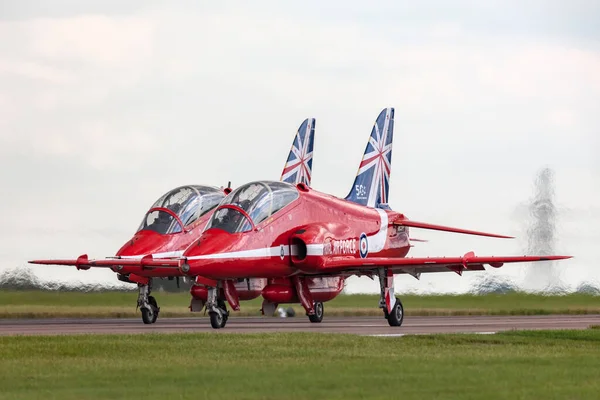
(541, 235)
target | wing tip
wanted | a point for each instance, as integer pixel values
(554, 258)
(41, 262)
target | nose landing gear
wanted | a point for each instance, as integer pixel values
(217, 309)
(147, 303)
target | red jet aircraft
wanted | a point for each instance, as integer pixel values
(176, 220)
(306, 242)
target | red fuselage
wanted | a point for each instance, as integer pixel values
(298, 239)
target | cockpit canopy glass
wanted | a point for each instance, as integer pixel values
(187, 202)
(259, 200)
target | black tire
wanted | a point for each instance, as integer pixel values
(223, 306)
(148, 315)
(319, 311)
(154, 305)
(225, 318)
(396, 317)
(217, 320)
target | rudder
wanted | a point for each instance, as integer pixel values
(371, 184)
(298, 167)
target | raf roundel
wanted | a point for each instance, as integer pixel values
(363, 245)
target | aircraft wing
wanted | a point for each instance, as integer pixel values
(82, 262)
(417, 265)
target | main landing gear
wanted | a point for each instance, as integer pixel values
(147, 303)
(314, 309)
(319, 311)
(397, 315)
(391, 305)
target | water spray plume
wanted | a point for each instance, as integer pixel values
(541, 234)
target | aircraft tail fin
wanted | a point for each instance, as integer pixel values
(298, 167)
(371, 184)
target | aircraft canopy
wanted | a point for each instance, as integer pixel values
(250, 204)
(181, 206)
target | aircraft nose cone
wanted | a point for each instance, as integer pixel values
(144, 242)
(207, 256)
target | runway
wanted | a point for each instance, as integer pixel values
(352, 325)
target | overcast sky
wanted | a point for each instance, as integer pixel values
(105, 106)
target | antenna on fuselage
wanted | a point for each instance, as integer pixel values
(228, 189)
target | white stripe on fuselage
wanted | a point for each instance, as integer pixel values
(376, 244)
(311, 250)
(378, 240)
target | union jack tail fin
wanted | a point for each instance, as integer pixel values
(372, 181)
(298, 167)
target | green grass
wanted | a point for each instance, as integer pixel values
(48, 304)
(510, 365)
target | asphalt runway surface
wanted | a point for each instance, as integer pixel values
(376, 326)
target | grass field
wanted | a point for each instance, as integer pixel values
(509, 365)
(48, 304)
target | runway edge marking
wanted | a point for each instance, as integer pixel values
(433, 333)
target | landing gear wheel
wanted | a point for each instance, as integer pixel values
(318, 315)
(225, 318)
(224, 311)
(147, 303)
(154, 306)
(150, 314)
(396, 317)
(217, 320)
(217, 309)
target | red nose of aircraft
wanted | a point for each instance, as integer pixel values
(143, 242)
(211, 255)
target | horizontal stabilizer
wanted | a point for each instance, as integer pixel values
(423, 225)
(82, 262)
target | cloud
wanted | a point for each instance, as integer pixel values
(157, 68)
(100, 41)
(34, 71)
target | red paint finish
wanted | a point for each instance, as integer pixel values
(325, 288)
(248, 289)
(282, 290)
(231, 294)
(199, 292)
(280, 294)
(142, 280)
(298, 229)
(310, 244)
